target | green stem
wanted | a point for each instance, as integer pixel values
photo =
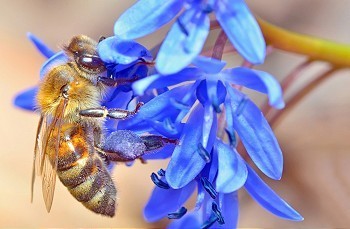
(315, 48)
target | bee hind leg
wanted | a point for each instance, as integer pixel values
(125, 145)
(155, 142)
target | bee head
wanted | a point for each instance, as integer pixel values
(84, 51)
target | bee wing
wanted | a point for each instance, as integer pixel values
(45, 164)
(37, 152)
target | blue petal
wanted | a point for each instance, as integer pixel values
(209, 65)
(148, 96)
(200, 196)
(167, 127)
(163, 153)
(59, 58)
(161, 107)
(256, 135)
(26, 99)
(134, 72)
(229, 123)
(160, 81)
(214, 164)
(232, 169)
(128, 75)
(186, 162)
(117, 51)
(256, 80)
(146, 16)
(114, 68)
(216, 92)
(139, 128)
(41, 46)
(230, 210)
(208, 124)
(212, 91)
(268, 199)
(184, 41)
(190, 220)
(241, 29)
(164, 201)
(121, 100)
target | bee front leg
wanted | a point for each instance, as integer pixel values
(111, 82)
(103, 112)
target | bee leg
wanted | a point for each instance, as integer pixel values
(103, 112)
(116, 82)
(143, 161)
(125, 145)
(115, 156)
(155, 142)
(102, 155)
(98, 135)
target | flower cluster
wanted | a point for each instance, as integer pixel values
(199, 104)
(187, 36)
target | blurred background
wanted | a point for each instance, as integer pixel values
(314, 136)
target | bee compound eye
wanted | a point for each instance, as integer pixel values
(90, 62)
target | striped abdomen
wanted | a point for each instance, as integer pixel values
(83, 173)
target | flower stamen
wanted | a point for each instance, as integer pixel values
(205, 155)
(178, 214)
(241, 106)
(159, 182)
(208, 186)
(182, 26)
(209, 222)
(217, 213)
(161, 172)
(231, 137)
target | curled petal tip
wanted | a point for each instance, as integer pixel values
(280, 105)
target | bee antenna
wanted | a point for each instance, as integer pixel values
(101, 38)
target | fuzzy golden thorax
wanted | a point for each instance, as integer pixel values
(81, 94)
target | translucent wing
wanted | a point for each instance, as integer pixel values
(37, 152)
(45, 158)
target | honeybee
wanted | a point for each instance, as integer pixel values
(70, 131)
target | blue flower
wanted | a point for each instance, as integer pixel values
(215, 206)
(187, 36)
(213, 90)
(200, 154)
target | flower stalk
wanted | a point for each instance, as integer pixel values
(315, 48)
(295, 99)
